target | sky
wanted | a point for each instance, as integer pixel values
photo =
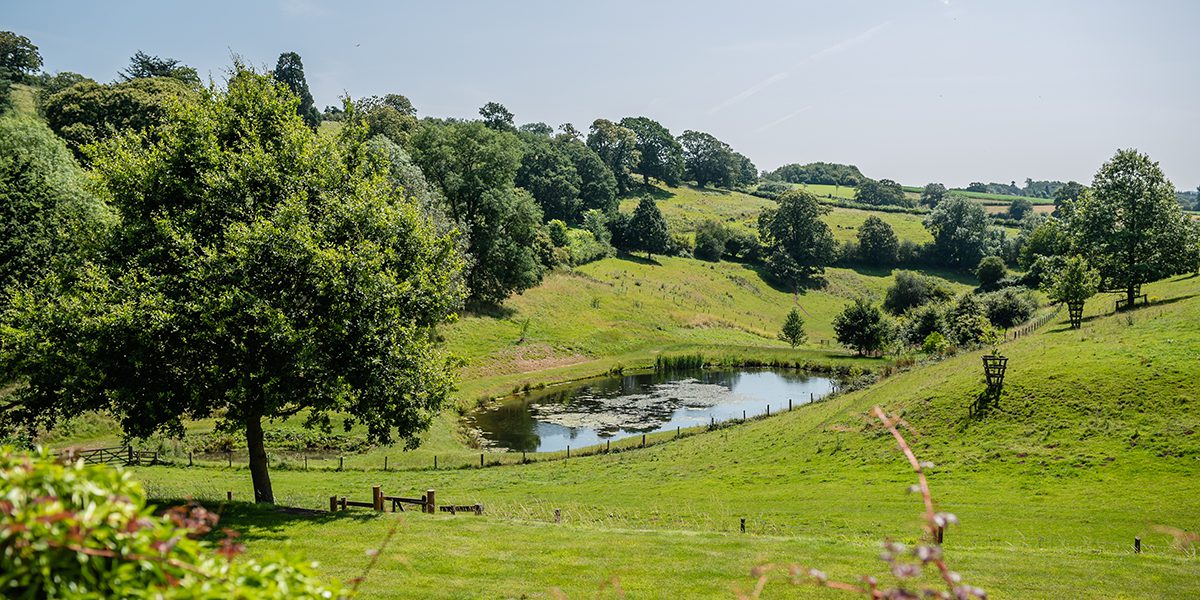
(917, 91)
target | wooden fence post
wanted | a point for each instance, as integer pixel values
(643, 440)
(341, 462)
(941, 532)
(789, 405)
(434, 462)
(478, 509)
(557, 516)
(333, 504)
(568, 452)
(768, 410)
(480, 460)
(305, 462)
(229, 495)
(377, 498)
(743, 524)
(385, 463)
(608, 446)
(229, 455)
(189, 458)
(430, 502)
(1137, 545)
(342, 503)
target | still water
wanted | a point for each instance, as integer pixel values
(596, 410)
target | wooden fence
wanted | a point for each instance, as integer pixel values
(116, 455)
(1032, 325)
(380, 501)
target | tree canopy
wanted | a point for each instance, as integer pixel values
(659, 155)
(259, 272)
(862, 327)
(19, 57)
(142, 66)
(289, 70)
(933, 194)
(617, 146)
(877, 242)
(647, 229)
(1129, 225)
(884, 192)
(960, 231)
(475, 167)
(89, 112)
(793, 329)
(798, 243)
(709, 160)
(819, 173)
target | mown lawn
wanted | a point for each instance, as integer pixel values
(1092, 443)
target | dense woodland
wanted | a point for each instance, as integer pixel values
(173, 250)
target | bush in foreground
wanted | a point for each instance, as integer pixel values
(70, 530)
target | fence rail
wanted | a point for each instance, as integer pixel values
(379, 500)
(122, 455)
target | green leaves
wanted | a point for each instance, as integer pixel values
(85, 532)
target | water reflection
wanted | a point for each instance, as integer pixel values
(613, 408)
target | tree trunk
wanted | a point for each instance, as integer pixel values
(1130, 294)
(258, 460)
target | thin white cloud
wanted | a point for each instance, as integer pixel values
(783, 119)
(776, 78)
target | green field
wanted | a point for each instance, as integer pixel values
(686, 207)
(1092, 443)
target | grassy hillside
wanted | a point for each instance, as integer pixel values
(1092, 442)
(686, 207)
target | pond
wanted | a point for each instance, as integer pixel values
(596, 410)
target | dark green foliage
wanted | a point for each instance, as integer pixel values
(884, 192)
(863, 327)
(793, 329)
(407, 179)
(258, 271)
(89, 112)
(1019, 209)
(1048, 238)
(617, 148)
(660, 155)
(747, 173)
(818, 172)
(647, 229)
(289, 70)
(548, 172)
(145, 66)
(47, 216)
(1010, 306)
(19, 57)
(76, 531)
(743, 245)
(1065, 198)
(990, 271)
(596, 222)
(960, 231)
(910, 290)
(683, 362)
(597, 185)
(877, 242)
(922, 321)
(709, 160)
(538, 129)
(48, 85)
(1129, 226)
(771, 189)
(797, 243)
(475, 168)
(711, 237)
(933, 194)
(497, 117)
(966, 321)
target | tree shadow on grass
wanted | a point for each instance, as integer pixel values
(264, 521)
(641, 260)
(495, 311)
(813, 283)
(986, 402)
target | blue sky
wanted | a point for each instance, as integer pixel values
(913, 90)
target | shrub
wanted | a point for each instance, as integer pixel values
(911, 290)
(935, 344)
(922, 321)
(710, 240)
(585, 248)
(862, 326)
(967, 321)
(72, 530)
(1009, 306)
(990, 271)
(558, 232)
(877, 242)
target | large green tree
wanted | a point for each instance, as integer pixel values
(19, 57)
(548, 173)
(709, 160)
(881, 193)
(48, 218)
(289, 70)
(660, 155)
(877, 242)
(142, 66)
(960, 231)
(597, 184)
(475, 167)
(862, 327)
(259, 272)
(89, 112)
(617, 146)
(1129, 225)
(933, 194)
(798, 243)
(647, 230)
